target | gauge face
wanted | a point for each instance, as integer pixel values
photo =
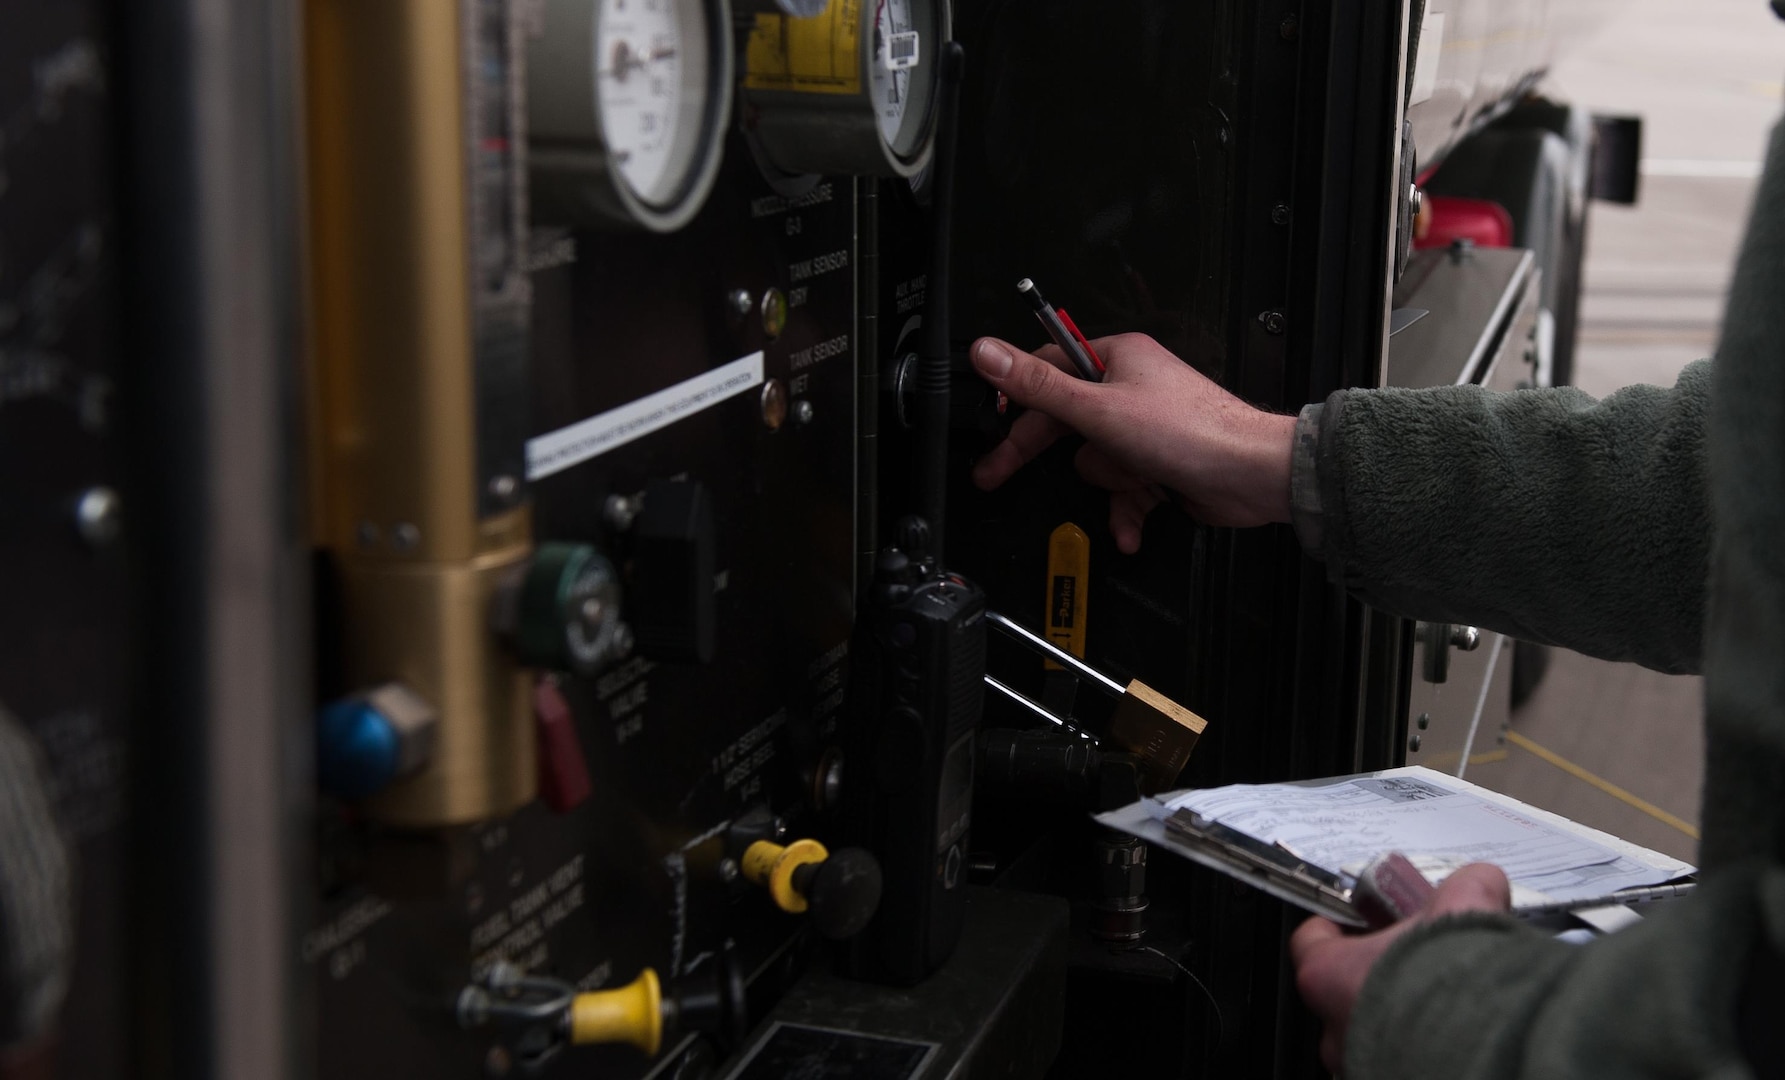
(652, 81)
(898, 48)
(849, 92)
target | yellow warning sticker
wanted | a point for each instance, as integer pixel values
(821, 55)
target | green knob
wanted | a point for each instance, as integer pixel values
(568, 611)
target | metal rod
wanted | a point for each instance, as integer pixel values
(1037, 708)
(1055, 653)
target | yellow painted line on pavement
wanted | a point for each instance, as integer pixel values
(1445, 762)
(1602, 784)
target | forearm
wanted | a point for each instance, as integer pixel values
(1482, 998)
(1541, 514)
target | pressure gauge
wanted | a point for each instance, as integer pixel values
(803, 9)
(627, 105)
(850, 91)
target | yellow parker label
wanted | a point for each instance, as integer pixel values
(820, 55)
(1068, 576)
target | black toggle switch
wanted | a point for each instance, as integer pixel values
(674, 612)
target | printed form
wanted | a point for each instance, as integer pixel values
(1438, 822)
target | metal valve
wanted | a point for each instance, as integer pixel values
(839, 891)
(561, 610)
(535, 1018)
(1437, 639)
(539, 1017)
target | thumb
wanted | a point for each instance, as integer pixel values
(1030, 381)
(1477, 887)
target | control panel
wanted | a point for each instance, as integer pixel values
(669, 703)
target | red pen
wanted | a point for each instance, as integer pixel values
(1064, 331)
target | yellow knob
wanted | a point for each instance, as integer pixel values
(632, 1014)
(770, 864)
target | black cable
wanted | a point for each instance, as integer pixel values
(933, 373)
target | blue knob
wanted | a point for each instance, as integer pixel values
(366, 742)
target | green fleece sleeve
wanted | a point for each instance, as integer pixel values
(1678, 995)
(1479, 997)
(1542, 514)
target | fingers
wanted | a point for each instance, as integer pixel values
(1128, 513)
(1477, 887)
(1310, 935)
(1331, 965)
(1017, 373)
(1032, 433)
(1032, 381)
(1132, 499)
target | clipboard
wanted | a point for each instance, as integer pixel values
(1279, 871)
(1270, 868)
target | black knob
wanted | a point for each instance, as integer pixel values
(916, 539)
(674, 613)
(714, 1001)
(894, 566)
(843, 892)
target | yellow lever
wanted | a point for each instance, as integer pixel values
(768, 863)
(632, 1014)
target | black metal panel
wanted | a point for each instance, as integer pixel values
(1222, 177)
(631, 878)
(997, 1009)
(64, 644)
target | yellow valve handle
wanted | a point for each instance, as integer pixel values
(632, 1014)
(770, 864)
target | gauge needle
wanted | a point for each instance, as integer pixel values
(626, 61)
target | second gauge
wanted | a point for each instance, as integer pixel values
(628, 104)
(851, 91)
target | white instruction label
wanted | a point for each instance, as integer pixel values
(580, 442)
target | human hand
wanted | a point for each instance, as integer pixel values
(1154, 425)
(1332, 964)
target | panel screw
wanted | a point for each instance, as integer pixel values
(367, 534)
(728, 870)
(1280, 214)
(1413, 744)
(802, 412)
(504, 487)
(1274, 321)
(405, 537)
(1425, 720)
(99, 516)
(1289, 27)
(741, 302)
(621, 511)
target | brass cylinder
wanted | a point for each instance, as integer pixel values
(427, 628)
(394, 439)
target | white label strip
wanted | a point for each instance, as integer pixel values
(903, 51)
(595, 436)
